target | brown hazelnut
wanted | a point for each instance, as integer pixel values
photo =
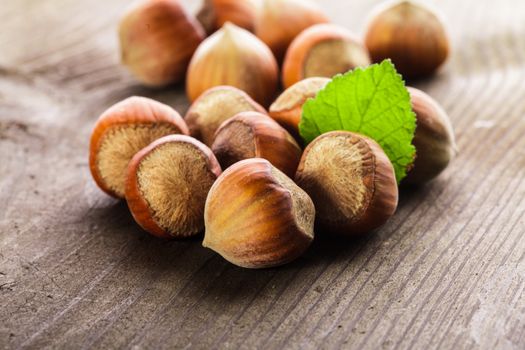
(434, 139)
(167, 184)
(257, 217)
(351, 182)
(233, 56)
(288, 108)
(255, 135)
(411, 35)
(123, 130)
(157, 40)
(323, 50)
(280, 21)
(215, 106)
(215, 13)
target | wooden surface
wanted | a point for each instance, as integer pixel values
(448, 271)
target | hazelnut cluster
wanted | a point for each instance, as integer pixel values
(242, 42)
(234, 169)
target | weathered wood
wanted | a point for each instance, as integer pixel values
(448, 271)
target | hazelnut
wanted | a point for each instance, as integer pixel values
(351, 181)
(215, 13)
(157, 40)
(288, 108)
(257, 217)
(167, 184)
(123, 130)
(411, 35)
(323, 50)
(255, 135)
(434, 139)
(280, 21)
(215, 106)
(233, 56)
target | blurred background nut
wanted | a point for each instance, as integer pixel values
(323, 50)
(280, 21)
(434, 139)
(411, 35)
(233, 56)
(157, 40)
(215, 13)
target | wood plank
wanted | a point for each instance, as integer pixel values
(448, 271)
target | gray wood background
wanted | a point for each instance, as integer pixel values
(448, 271)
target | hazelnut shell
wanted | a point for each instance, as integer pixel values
(157, 41)
(323, 50)
(411, 35)
(351, 181)
(280, 21)
(215, 106)
(215, 13)
(255, 135)
(257, 217)
(183, 212)
(434, 139)
(136, 113)
(288, 108)
(233, 56)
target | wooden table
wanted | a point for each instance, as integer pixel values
(448, 271)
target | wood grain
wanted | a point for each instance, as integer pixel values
(447, 272)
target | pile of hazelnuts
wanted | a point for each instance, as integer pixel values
(237, 170)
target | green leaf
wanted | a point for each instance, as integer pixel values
(372, 101)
